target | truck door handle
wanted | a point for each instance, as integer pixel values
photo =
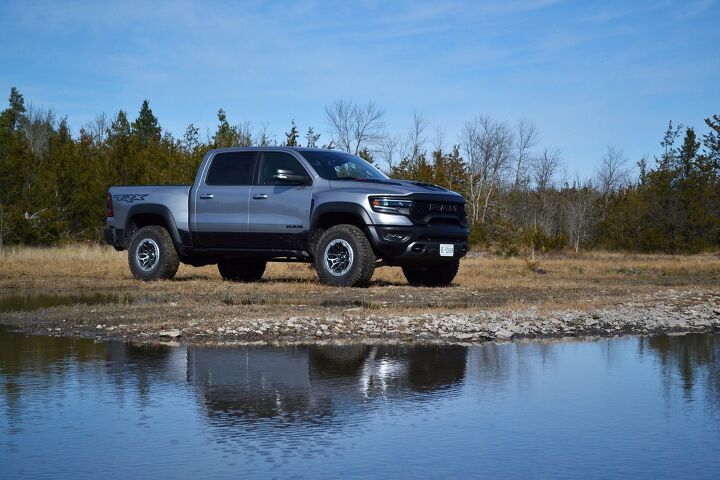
(207, 196)
(260, 196)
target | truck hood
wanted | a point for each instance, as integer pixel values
(390, 187)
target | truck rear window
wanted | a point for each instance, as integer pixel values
(232, 168)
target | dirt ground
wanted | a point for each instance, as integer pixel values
(487, 285)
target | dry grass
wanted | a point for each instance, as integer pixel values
(484, 282)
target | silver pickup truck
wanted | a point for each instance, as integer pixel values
(250, 206)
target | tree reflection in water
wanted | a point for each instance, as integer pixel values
(312, 384)
(688, 357)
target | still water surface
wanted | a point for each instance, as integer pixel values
(646, 407)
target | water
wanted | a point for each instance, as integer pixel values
(24, 303)
(631, 407)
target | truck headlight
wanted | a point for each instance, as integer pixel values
(390, 205)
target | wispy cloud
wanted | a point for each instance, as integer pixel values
(558, 62)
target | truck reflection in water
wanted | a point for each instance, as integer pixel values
(312, 383)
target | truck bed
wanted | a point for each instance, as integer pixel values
(136, 198)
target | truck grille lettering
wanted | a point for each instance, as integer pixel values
(442, 207)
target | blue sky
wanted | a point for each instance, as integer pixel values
(588, 73)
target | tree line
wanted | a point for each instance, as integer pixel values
(519, 198)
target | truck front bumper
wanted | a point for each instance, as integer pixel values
(408, 244)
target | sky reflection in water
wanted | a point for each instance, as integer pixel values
(646, 407)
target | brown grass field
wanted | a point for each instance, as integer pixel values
(485, 282)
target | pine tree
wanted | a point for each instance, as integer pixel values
(292, 136)
(123, 146)
(11, 117)
(711, 143)
(225, 135)
(366, 155)
(312, 138)
(688, 152)
(120, 126)
(146, 127)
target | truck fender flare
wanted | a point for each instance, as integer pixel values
(164, 212)
(339, 207)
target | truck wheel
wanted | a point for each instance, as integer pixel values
(432, 275)
(241, 269)
(344, 257)
(152, 255)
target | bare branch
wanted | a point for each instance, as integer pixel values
(354, 127)
(613, 172)
(525, 139)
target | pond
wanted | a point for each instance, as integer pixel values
(25, 303)
(642, 407)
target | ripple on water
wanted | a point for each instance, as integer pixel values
(640, 406)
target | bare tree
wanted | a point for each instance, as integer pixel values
(244, 134)
(37, 126)
(578, 208)
(612, 172)
(388, 148)
(438, 141)
(487, 145)
(264, 139)
(525, 139)
(416, 140)
(545, 167)
(98, 129)
(354, 127)
(546, 208)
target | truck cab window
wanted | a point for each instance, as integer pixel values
(274, 161)
(235, 168)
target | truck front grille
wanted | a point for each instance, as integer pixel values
(442, 212)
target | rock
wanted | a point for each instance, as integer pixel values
(503, 334)
(170, 333)
(716, 311)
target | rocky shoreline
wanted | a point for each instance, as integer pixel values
(669, 311)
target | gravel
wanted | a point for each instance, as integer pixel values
(669, 311)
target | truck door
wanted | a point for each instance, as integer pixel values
(279, 211)
(221, 201)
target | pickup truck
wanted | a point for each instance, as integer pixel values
(249, 206)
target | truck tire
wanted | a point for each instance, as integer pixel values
(152, 255)
(344, 257)
(242, 269)
(432, 275)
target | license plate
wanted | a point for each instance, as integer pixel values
(447, 250)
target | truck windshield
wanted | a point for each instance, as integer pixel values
(341, 166)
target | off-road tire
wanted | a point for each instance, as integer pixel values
(432, 274)
(167, 263)
(361, 268)
(242, 269)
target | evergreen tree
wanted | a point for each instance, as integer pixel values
(225, 135)
(53, 185)
(292, 136)
(688, 152)
(146, 127)
(366, 155)
(711, 143)
(120, 126)
(10, 118)
(312, 138)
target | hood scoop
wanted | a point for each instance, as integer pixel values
(429, 186)
(376, 180)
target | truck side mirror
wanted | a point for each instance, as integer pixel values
(287, 176)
